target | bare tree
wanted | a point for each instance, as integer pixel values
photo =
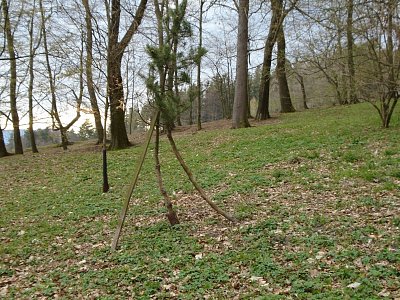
(352, 98)
(89, 72)
(200, 50)
(279, 14)
(380, 73)
(240, 109)
(115, 52)
(300, 80)
(55, 115)
(32, 52)
(13, 78)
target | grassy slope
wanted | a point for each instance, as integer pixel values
(317, 195)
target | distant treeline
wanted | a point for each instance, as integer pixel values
(47, 136)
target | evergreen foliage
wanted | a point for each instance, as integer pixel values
(168, 68)
(87, 131)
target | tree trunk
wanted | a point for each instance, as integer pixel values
(30, 129)
(341, 79)
(64, 138)
(191, 114)
(13, 79)
(390, 112)
(89, 73)
(240, 118)
(229, 86)
(300, 79)
(263, 101)
(284, 94)
(3, 150)
(390, 102)
(32, 51)
(191, 100)
(199, 93)
(119, 136)
(171, 215)
(350, 54)
(178, 99)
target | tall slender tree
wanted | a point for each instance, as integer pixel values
(200, 49)
(32, 52)
(240, 109)
(13, 77)
(300, 80)
(352, 98)
(170, 28)
(55, 115)
(89, 72)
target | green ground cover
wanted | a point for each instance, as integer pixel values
(317, 194)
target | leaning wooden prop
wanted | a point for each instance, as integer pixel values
(171, 214)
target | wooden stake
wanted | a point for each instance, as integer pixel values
(134, 182)
(193, 181)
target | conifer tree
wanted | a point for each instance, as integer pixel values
(166, 60)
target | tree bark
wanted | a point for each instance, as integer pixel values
(3, 150)
(350, 54)
(89, 73)
(64, 138)
(393, 93)
(32, 51)
(284, 94)
(300, 80)
(229, 92)
(171, 215)
(178, 99)
(199, 93)
(119, 136)
(240, 117)
(13, 79)
(263, 101)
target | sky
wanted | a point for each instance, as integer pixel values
(219, 32)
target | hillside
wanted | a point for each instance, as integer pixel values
(317, 195)
(7, 134)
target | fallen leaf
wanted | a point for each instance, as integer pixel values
(384, 293)
(354, 285)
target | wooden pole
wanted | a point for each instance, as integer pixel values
(193, 181)
(134, 182)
